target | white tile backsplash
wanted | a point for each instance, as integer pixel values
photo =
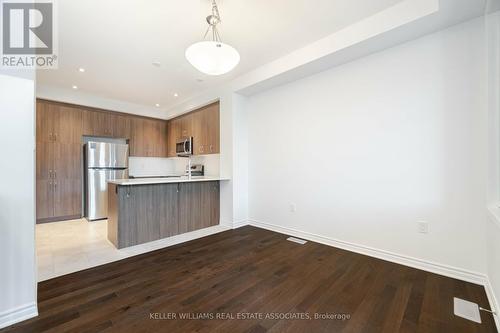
(150, 166)
(211, 163)
(154, 166)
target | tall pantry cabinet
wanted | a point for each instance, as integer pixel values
(59, 161)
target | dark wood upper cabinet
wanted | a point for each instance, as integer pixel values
(121, 126)
(68, 124)
(96, 123)
(199, 135)
(174, 134)
(212, 129)
(148, 138)
(202, 124)
(107, 124)
(186, 126)
(58, 123)
(137, 142)
(44, 122)
(151, 138)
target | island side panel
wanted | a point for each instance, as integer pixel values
(166, 198)
(209, 204)
(214, 206)
(148, 212)
(113, 214)
(147, 202)
(190, 214)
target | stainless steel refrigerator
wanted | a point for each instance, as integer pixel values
(103, 162)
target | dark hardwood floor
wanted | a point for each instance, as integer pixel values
(253, 271)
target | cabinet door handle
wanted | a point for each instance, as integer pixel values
(211, 148)
(128, 191)
(50, 174)
(55, 186)
(55, 136)
(55, 174)
(178, 187)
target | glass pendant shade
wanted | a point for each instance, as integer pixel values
(213, 57)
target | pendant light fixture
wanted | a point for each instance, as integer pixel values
(213, 57)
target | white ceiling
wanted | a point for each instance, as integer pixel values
(116, 41)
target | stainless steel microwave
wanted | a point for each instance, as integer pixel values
(184, 147)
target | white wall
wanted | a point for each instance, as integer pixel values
(17, 200)
(240, 160)
(493, 223)
(493, 256)
(367, 149)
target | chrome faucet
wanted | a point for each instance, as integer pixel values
(189, 167)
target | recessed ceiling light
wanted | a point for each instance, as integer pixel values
(157, 105)
(81, 70)
(156, 63)
(74, 87)
(176, 95)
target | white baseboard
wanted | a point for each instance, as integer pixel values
(18, 314)
(239, 224)
(429, 266)
(492, 299)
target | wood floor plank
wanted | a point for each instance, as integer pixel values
(260, 274)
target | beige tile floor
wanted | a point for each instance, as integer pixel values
(70, 246)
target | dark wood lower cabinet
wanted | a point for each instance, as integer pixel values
(143, 213)
(67, 198)
(44, 199)
(59, 181)
(58, 200)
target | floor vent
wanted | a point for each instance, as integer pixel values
(466, 309)
(296, 240)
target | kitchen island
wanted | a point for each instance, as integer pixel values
(148, 209)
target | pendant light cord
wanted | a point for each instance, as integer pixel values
(215, 11)
(213, 20)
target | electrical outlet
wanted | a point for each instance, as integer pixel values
(293, 208)
(423, 227)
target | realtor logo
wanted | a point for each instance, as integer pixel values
(28, 34)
